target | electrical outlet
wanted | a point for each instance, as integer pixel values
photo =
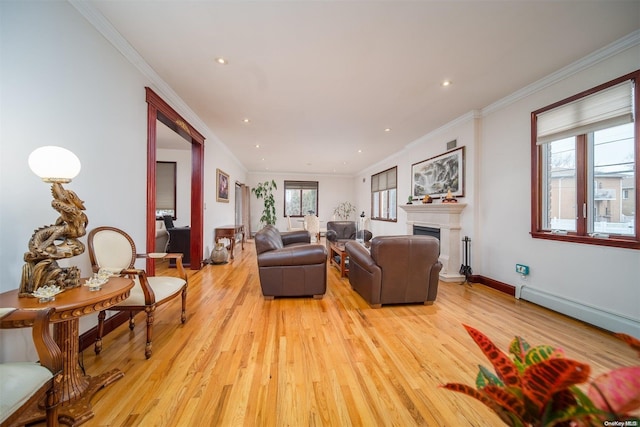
(522, 269)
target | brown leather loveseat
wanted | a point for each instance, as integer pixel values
(343, 231)
(398, 269)
(289, 265)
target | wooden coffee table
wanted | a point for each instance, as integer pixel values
(337, 249)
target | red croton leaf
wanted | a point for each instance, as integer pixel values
(504, 398)
(634, 343)
(618, 390)
(504, 366)
(542, 380)
(482, 397)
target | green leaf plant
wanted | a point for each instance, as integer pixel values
(537, 386)
(264, 190)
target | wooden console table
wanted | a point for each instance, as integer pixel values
(77, 389)
(229, 232)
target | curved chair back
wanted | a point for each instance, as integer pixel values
(312, 224)
(111, 248)
(290, 226)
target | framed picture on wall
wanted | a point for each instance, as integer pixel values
(439, 174)
(222, 186)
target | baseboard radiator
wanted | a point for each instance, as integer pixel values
(593, 315)
(589, 314)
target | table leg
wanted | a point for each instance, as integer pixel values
(343, 264)
(77, 389)
(233, 243)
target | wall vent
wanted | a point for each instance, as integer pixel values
(452, 144)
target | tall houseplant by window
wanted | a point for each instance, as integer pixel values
(264, 190)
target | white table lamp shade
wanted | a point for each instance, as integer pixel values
(54, 164)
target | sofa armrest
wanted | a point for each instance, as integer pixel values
(331, 236)
(295, 255)
(291, 237)
(360, 255)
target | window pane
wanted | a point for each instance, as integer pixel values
(559, 185)
(610, 174)
(376, 204)
(384, 204)
(292, 202)
(392, 204)
(309, 201)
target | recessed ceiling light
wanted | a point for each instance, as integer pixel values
(222, 61)
(245, 120)
(387, 130)
(447, 83)
(359, 151)
(257, 145)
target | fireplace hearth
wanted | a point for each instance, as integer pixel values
(444, 217)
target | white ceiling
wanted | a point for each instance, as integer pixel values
(321, 80)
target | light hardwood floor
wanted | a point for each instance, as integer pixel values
(241, 360)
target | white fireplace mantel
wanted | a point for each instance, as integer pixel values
(446, 217)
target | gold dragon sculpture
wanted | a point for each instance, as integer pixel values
(54, 242)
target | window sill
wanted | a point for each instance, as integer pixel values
(614, 241)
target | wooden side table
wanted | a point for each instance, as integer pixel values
(77, 389)
(337, 249)
(230, 232)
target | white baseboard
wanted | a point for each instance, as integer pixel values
(604, 319)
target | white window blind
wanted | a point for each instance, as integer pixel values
(600, 110)
(383, 180)
(166, 185)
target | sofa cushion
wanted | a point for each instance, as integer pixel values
(18, 382)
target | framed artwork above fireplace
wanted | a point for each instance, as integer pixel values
(439, 174)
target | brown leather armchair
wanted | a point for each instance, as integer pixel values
(289, 265)
(343, 231)
(397, 269)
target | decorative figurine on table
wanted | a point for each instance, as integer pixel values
(55, 165)
(410, 200)
(449, 198)
(427, 199)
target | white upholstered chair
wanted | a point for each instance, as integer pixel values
(312, 225)
(113, 250)
(24, 384)
(290, 226)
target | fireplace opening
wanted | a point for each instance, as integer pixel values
(419, 230)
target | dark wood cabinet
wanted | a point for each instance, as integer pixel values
(180, 243)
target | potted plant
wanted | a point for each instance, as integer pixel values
(537, 386)
(264, 190)
(344, 210)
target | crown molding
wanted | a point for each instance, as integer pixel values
(104, 27)
(599, 55)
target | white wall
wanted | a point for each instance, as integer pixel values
(66, 85)
(463, 130)
(597, 284)
(593, 283)
(332, 190)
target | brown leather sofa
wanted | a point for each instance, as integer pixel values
(398, 269)
(343, 231)
(289, 265)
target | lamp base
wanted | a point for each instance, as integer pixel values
(47, 273)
